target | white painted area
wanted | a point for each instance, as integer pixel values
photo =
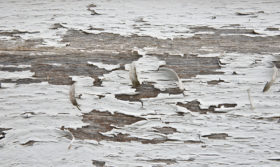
(54, 64)
(162, 19)
(15, 75)
(14, 66)
(52, 108)
(107, 67)
(252, 143)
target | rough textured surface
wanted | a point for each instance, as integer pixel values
(2, 133)
(194, 106)
(57, 67)
(102, 122)
(223, 53)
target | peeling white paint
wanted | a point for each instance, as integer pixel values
(107, 67)
(255, 140)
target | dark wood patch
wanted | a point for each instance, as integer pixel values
(14, 69)
(98, 163)
(143, 91)
(29, 143)
(2, 133)
(193, 141)
(21, 81)
(105, 121)
(190, 65)
(194, 106)
(102, 122)
(215, 82)
(217, 136)
(165, 130)
(16, 32)
(166, 161)
(57, 26)
(71, 64)
(274, 159)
